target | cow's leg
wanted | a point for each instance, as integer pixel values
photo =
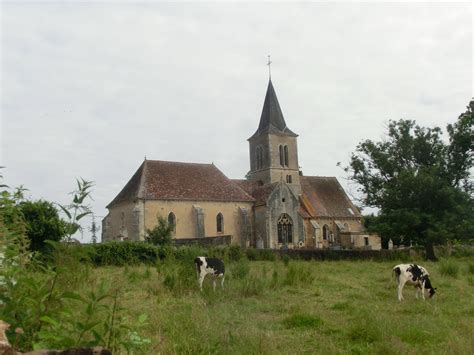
(401, 283)
(222, 281)
(417, 288)
(423, 290)
(214, 283)
(201, 279)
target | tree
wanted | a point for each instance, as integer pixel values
(420, 184)
(42, 223)
(161, 233)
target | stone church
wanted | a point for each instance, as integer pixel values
(275, 207)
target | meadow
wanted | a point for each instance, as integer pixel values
(292, 306)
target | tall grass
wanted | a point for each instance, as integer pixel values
(449, 267)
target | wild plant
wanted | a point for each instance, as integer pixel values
(36, 293)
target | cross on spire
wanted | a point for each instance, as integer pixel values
(269, 68)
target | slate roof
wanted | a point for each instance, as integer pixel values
(271, 120)
(325, 197)
(165, 180)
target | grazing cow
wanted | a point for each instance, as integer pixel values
(414, 275)
(212, 266)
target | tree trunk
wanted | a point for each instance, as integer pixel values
(430, 254)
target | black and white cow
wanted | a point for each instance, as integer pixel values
(414, 275)
(212, 266)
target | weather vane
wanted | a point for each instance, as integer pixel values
(269, 68)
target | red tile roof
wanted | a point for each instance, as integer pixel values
(326, 198)
(256, 189)
(164, 180)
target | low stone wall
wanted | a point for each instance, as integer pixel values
(206, 241)
(326, 254)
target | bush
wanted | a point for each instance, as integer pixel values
(161, 234)
(235, 253)
(187, 253)
(126, 253)
(260, 255)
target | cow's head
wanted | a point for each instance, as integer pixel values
(432, 292)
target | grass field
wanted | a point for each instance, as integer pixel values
(298, 307)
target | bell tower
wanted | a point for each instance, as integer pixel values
(273, 147)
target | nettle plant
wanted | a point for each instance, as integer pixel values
(39, 301)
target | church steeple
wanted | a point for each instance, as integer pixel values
(273, 147)
(272, 120)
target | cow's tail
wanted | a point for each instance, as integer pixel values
(395, 274)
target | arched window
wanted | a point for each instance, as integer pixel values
(285, 229)
(289, 179)
(325, 232)
(172, 221)
(286, 155)
(282, 158)
(220, 223)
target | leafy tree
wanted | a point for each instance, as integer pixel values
(420, 183)
(42, 223)
(161, 233)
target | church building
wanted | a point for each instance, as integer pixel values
(275, 207)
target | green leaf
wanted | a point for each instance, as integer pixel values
(68, 214)
(73, 295)
(49, 320)
(83, 215)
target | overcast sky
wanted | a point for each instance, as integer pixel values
(89, 89)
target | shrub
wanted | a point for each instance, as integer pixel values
(448, 267)
(126, 253)
(187, 253)
(260, 255)
(161, 233)
(235, 253)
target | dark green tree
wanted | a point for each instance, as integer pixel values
(161, 233)
(42, 223)
(420, 183)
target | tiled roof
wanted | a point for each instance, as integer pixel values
(271, 120)
(325, 197)
(257, 190)
(164, 180)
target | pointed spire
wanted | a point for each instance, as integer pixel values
(271, 120)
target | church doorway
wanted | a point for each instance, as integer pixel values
(285, 229)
